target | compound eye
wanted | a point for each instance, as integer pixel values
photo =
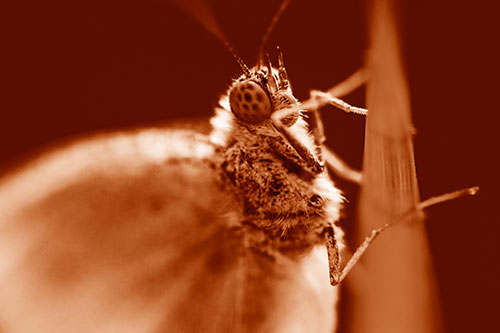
(249, 102)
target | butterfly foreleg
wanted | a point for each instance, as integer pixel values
(333, 255)
(324, 98)
(319, 99)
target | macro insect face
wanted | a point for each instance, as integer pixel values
(260, 92)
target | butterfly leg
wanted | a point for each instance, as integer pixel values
(324, 98)
(331, 96)
(353, 82)
(341, 168)
(319, 99)
(337, 275)
(333, 255)
(334, 162)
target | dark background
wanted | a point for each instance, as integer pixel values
(73, 68)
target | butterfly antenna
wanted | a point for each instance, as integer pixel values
(276, 17)
(201, 12)
(240, 61)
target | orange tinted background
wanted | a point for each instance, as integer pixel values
(74, 68)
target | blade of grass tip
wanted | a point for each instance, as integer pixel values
(394, 291)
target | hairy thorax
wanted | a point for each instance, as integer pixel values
(284, 206)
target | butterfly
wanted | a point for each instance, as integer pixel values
(173, 230)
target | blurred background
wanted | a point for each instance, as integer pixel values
(75, 68)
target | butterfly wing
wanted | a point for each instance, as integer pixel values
(132, 233)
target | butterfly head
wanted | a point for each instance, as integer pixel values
(260, 92)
